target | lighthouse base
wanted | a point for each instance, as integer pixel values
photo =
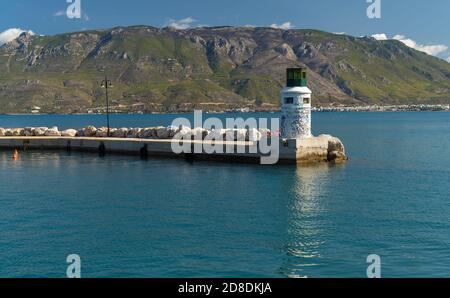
(324, 148)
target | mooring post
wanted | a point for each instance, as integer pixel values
(144, 152)
(102, 149)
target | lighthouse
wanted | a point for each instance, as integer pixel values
(296, 106)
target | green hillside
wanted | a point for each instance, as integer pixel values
(160, 70)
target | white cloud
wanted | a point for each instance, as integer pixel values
(339, 33)
(432, 49)
(182, 24)
(380, 36)
(284, 26)
(59, 13)
(63, 13)
(448, 59)
(11, 34)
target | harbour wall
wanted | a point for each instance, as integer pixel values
(313, 150)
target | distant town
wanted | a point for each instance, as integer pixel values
(123, 109)
(390, 108)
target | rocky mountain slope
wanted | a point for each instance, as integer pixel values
(163, 70)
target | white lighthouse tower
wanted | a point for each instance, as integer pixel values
(296, 106)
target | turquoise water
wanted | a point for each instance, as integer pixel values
(168, 218)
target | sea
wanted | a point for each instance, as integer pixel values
(127, 217)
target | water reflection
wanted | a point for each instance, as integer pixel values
(306, 219)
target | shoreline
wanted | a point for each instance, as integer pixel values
(389, 108)
(319, 109)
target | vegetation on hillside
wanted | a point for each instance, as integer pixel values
(159, 70)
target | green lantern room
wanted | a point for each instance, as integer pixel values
(296, 77)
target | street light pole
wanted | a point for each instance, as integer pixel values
(106, 84)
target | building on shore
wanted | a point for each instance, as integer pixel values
(35, 110)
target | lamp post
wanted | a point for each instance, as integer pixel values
(107, 84)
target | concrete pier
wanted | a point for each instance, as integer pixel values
(312, 150)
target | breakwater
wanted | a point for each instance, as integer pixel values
(158, 141)
(158, 132)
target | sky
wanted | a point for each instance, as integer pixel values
(424, 25)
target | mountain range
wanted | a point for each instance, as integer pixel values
(213, 68)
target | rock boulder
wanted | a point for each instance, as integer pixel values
(133, 132)
(89, 131)
(161, 132)
(17, 132)
(39, 131)
(236, 134)
(69, 133)
(184, 132)
(324, 148)
(217, 134)
(120, 133)
(199, 133)
(102, 132)
(336, 149)
(28, 131)
(52, 132)
(253, 135)
(147, 133)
